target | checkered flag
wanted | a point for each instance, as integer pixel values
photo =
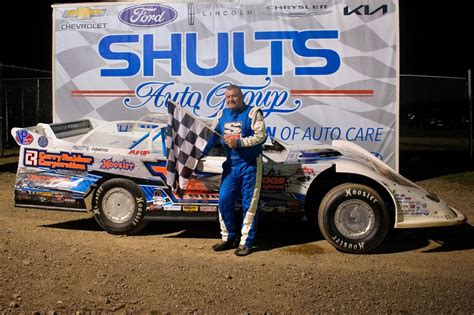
(186, 138)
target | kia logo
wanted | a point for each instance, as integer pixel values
(148, 15)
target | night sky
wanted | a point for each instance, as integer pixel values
(433, 38)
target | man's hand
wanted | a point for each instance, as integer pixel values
(231, 143)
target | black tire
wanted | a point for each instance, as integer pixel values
(119, 206)
(353, 218)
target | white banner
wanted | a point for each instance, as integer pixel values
(319, 70)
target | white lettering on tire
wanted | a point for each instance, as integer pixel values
(354, 192)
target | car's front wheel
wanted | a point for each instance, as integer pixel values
(119, 206)
(353, 218)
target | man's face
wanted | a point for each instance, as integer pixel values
(233, 98)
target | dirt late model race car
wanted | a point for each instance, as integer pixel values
(118, 171)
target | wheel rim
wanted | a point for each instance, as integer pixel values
(354, 219)
(118, 205)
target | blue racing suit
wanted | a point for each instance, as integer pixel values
(242, 170)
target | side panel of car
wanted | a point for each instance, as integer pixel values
(52, 190)
(49, 178)
(58, 174)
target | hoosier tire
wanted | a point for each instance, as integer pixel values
(119, 206)
(353, 218)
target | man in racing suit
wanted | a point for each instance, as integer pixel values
(243, 132)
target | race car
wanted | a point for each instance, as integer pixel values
(117, 170)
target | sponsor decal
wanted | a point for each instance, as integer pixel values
(148, 15)
(274, 183)
(159, 199)
(139, 152)
(172, 208)
(87, 26)
(156, 94)
(365, 9)
(305, 171)
(47, 197)
(303, 179)
(118, 165)
(80, 148)
(62, 160)
(24, 137)
(84, 13)
(198, 196)
(298, 9)
(190, 208)
(43, 141)
(225, 12)
(22, 194)
(99, 149)
(153, 207)
(66, 198)
(207, 208)
(34, 180)
(141, 59)
(410, 207)
(75, 125)
(293, 204)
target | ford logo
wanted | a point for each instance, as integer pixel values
(377, 155)
(148, 15)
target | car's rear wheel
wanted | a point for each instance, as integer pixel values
(119, 206)
(353, 218)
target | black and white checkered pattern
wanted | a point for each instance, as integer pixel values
(186, 138)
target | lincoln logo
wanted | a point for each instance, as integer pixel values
(148, 15)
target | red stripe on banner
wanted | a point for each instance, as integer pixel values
(332, 92)
(103, 93)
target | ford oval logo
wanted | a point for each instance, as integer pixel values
(148, 15)
(377, 155)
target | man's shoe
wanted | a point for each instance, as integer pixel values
(224, 245)
(242, 250)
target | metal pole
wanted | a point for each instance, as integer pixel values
(469, 96)
(7, 125)
(22, 108)
(1, 110)
(37, 101)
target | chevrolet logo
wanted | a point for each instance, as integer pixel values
(83, 13)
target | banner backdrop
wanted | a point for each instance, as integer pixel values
(319, 70)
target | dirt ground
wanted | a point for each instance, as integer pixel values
(54, 261)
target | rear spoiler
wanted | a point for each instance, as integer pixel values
(23, 136)
(70, 129)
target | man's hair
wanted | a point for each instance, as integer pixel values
(234, 87)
